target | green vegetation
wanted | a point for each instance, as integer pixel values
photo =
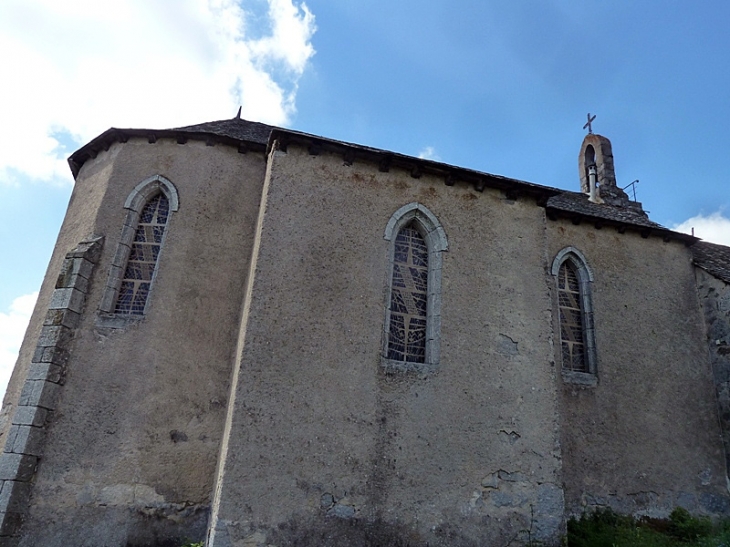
(604, 528)
(607, 529)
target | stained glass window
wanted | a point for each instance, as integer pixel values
(140, 268)
(408, 297)
(572, 329)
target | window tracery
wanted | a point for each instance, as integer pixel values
(413, 310)
(142, 261)
(409, 297)
(572, 331)
(134, 266)
(577, 353)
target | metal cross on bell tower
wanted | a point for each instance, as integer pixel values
(589, 122)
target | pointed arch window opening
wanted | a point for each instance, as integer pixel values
(577, 350)
(134, 267)
(409, 297)
(412, 326)
(143, 255)
(572, 328)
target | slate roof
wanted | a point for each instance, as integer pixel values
(247, 135)
(713, 258)
(235, 128)
(576, 202)
(243, 134)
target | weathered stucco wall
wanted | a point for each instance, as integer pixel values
(645, 439)
(132, 446)
(325, 448)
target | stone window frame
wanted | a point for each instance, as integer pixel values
(436, 243)
(585, 281)
(134, 204)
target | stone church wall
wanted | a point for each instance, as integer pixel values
(328, 449)
(131, 448)
(272, 288)
(644, 439)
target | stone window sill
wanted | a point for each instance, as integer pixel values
(580, 378)
(401, 367)
(117, 321)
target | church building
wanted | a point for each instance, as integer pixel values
(257, 337)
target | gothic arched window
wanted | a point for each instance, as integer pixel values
(575, 316)
(572, 328)
(413, 313)
(135, 263)
(408, 297)
(142, 260)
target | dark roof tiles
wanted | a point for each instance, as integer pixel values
(578, 203)
(713, 258)
(235, 128)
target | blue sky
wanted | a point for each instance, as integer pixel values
(502, 87)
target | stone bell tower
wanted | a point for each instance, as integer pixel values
(596, 161)
(597, 175)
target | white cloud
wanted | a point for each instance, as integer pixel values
(73, 69)
(429, 153)
(12, 329)
(289, 42)
(714, 227)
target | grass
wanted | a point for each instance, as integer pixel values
(607, 529)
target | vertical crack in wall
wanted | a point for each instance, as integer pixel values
(38, 398)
